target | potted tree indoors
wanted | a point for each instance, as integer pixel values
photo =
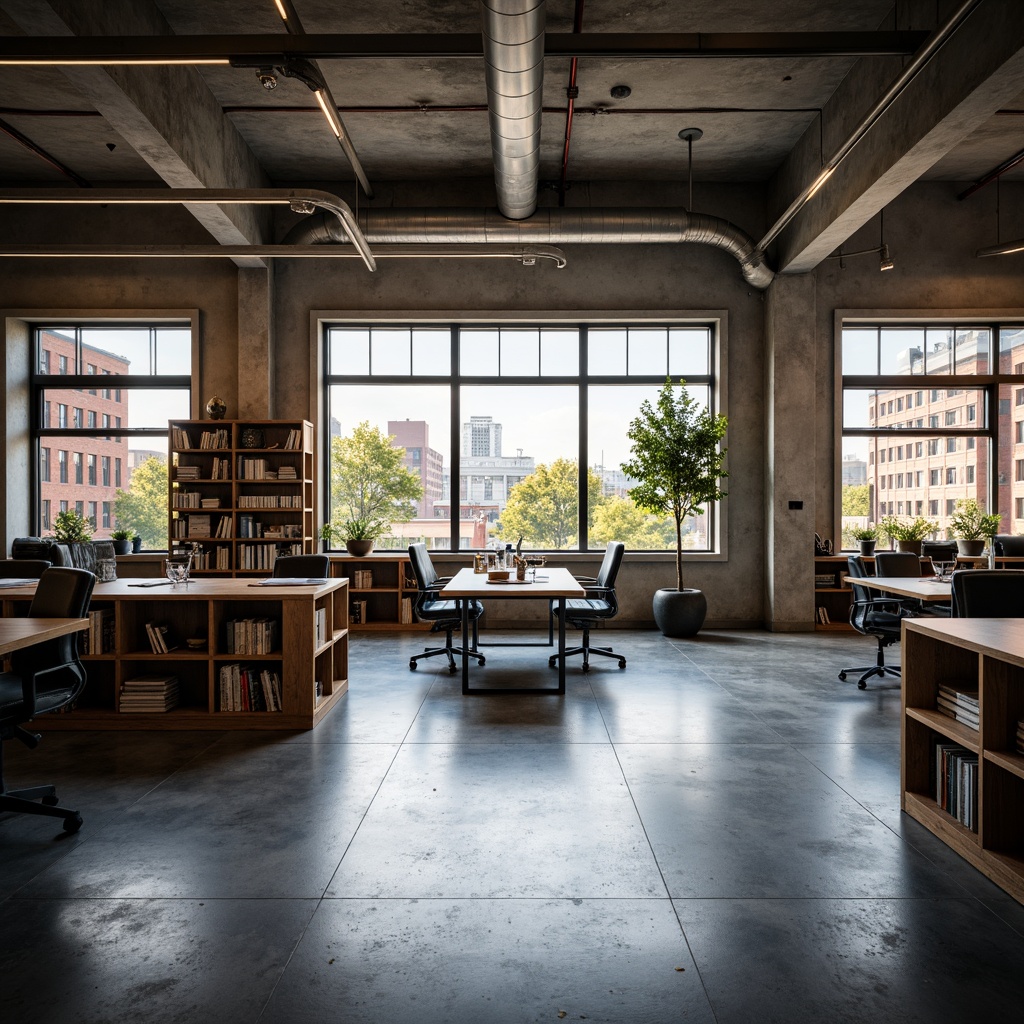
(972, 526)
(370, 487)
(909, 534)
(677, 459)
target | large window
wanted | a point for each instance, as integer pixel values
(510, 431)
(152, 364)
(971, 438)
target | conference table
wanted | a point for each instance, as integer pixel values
(553, 584)
(17, 633)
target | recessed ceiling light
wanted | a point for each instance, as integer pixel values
(620, 92)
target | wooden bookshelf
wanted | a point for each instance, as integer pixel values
(986, 655)
(389, 586)
(309, 657)
(242, 490)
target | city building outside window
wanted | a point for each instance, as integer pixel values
(44, 464)
(46, 515)
(531, 405)
(972, 416)
(152, 367)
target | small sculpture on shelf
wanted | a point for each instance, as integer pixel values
(216, 408)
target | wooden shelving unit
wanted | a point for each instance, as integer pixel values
(226, 493)
(391, 588)
(986, 654)
(310, 659)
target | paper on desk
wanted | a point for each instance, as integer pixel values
(18, 583)
(291, 581)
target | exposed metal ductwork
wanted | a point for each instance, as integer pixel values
(548, 226)
(513, 34)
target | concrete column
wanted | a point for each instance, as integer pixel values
(790, 452)
(255, 350)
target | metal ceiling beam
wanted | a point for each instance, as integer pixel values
(275, 49)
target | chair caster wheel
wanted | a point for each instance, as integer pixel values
(551, 662)
(72, 823)
(412, 665)
(452, 670)
(622, 664)
(50, 801)
(842, 675)
(862, 685)
(586, 668)
(482, 662)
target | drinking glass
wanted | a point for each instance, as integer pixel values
(943, 570)
(177, 570)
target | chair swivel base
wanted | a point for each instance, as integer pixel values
(429, 652)
(606, 652)
(869, 671)
(23, 801)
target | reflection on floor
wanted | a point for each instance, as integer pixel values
(713, 834)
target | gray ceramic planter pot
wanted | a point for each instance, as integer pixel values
(680, 613)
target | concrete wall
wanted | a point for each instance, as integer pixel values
(780, 352)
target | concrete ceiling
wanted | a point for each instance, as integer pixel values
(425, 119)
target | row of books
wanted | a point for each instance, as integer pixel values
(251, 636)
(162, 639)
(99, 637)
(956, 783)
(245, 688)
(362, 579)
(186, 499)
(263, 556)
(1020, 736)
(822, 615)
(959, 704)
(320, 621)
(293, 442)
(270, 501)
(405, 613)
(357, 613)
(151, 693)
(255, 469)
(250, 526)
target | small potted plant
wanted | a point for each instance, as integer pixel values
(360, 532)
(327, 532)
(866, 537)
(972, 526)
(909, 534)
(74, 531)
(122, 538)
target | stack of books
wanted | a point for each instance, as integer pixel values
(960, 704)
(286, 473)
(149, 694)
(186, 473)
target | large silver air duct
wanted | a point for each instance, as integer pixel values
(547, 226)
(513, 36)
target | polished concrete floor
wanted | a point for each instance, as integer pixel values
(713, 834)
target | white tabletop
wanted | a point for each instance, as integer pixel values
(927, 588)
(551, 582)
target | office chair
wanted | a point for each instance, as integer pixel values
(39, 548)
(878, 617)
(907, 565)
(939, 550)
(444, 616)
(597, 605)
(311, 567)
(1008, 545)
(43, 678)
(988, 594)
(22, 568)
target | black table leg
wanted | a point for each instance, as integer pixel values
(465, 644)
(561, 645)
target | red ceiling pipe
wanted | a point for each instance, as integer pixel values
(571, 93)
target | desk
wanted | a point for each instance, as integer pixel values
(16, 634)
(924, 589)
(558, 585)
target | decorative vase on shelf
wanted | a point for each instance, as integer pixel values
(359, 548)
(216, 408)
(136, 544)
(252, 437)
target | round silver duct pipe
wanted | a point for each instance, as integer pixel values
(513, 36)
(548, 226)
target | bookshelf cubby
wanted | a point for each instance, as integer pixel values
(242, 490)
(382, 591)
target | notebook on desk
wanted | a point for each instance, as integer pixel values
(291, 581)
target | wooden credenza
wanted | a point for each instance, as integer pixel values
(309, 654)
(986, 655)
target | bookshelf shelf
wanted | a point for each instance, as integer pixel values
(966, 655)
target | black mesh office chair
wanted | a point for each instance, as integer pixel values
(596, 606)
(1008, 545)
(443, 616)
(906, 565)
(878, 617)
(988, 594)
(22, 568)
(302, 567)
(44, 677)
